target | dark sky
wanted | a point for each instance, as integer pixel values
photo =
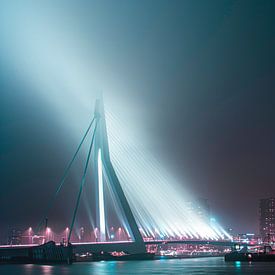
(200, 75)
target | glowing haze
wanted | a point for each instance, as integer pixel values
(52, 57)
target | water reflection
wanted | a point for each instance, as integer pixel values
(46, 269)
(174, 266)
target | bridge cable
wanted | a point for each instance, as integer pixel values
(63, 178)
(82, 184)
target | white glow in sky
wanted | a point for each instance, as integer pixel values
(53, 63)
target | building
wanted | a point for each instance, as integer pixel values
(267, 219)
(250, 238)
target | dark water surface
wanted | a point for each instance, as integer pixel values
(175, 266)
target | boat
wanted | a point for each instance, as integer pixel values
(256, 254)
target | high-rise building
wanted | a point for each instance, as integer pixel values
(267, 218)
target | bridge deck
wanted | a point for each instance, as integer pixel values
(129, 243)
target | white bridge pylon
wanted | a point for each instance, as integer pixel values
(102, 159)
(103, 175)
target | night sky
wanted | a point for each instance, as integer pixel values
(198, 77)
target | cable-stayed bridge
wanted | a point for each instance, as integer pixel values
(107, 187)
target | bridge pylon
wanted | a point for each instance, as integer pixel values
(103, 167)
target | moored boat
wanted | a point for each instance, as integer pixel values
(258, 254)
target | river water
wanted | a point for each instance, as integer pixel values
(173, 266)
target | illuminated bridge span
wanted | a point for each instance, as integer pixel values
(107, 187)
(84, 247)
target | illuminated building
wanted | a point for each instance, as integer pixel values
(267, 218)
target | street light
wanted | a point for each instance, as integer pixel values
(30, 235)
(48, 232)
(97, 234)
(119, 233)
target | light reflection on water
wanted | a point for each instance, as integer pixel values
(175, 266)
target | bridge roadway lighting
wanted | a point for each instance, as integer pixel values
(112, 233)
(30, 233)
(66, 233)
(119, 233)
(48, 233)
(96, 234)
